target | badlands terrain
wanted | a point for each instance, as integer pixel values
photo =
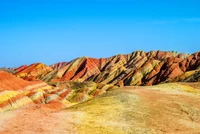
(141, 93)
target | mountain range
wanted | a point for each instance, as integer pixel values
(142, 92)
(137, 68)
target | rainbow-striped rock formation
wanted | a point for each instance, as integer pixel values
(13, 91)
(137, 68)
(103, 96)
(84, 78)
(16, 92)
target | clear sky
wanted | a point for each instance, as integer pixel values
(51, 31)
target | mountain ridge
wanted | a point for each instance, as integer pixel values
(137, 68)
(104, 95)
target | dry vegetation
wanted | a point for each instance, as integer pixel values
(167, 108)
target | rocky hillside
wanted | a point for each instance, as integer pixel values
(16, 92)
(89, 89)
(13, 91)
(137, 68)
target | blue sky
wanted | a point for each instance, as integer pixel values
(51, 31)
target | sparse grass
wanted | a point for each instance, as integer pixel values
(168, 87)
(167, 108)
(139, 110)
(112, 112)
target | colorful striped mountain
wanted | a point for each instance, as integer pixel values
(107, 95)
(137, 68)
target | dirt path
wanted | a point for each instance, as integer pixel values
(170, 113)
(123, 111)
(40, 120)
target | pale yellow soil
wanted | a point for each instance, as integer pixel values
(167, 108)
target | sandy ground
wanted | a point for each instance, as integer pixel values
(128, 110)
(37, 119)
